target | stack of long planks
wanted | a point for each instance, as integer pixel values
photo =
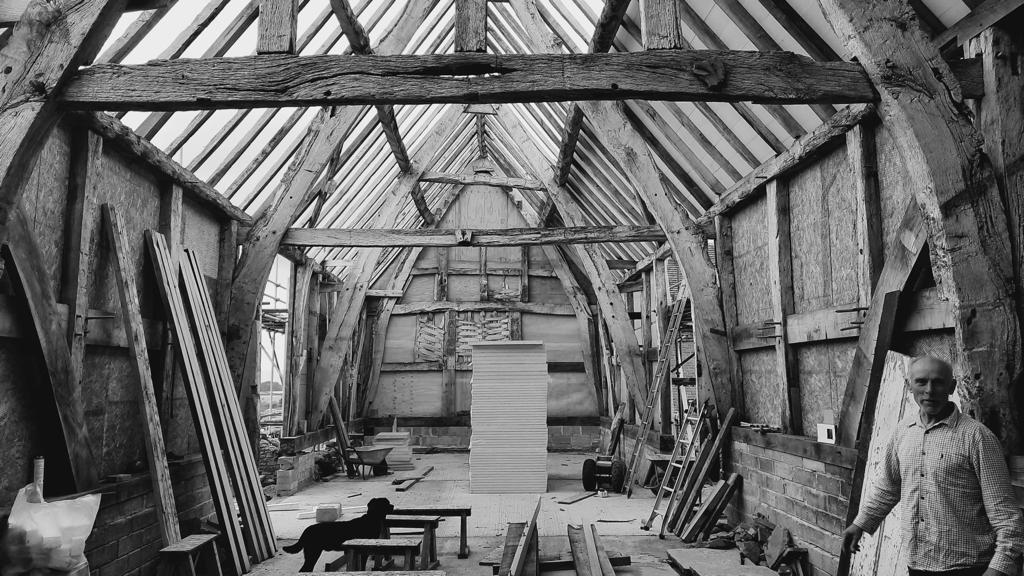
(227, 453)
(680, 517)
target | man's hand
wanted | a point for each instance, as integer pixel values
(851, 539)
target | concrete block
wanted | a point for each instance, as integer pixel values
(285, 477)
(813, 465)
(328, 512)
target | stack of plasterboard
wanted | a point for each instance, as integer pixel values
(400, 457)
(508, 448)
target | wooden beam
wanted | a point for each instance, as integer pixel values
(984, 16)
(23, 255)
(607, 26)
(12, 10)
(334, 237)
(289, 201)
(471, 25)
(945, 157)
(277, 80)
(298, 350)
(276, 32)
(481, 179)
(863, 161)
(800, 30)
(49, 42)
(83, 215)
(780, 275)
(659, 24)
(906, 249)
(156, 457)
(435, 306)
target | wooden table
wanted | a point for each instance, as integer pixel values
(462, 512)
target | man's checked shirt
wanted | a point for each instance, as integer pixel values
(959, 510)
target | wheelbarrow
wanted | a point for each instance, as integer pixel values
(368, 456)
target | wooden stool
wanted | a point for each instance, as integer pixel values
(428, 553)
(359, 549)
(442, 510)
(181, 558)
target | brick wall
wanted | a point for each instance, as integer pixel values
(806, 496)
(125, 539)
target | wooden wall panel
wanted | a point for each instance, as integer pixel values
(824, 234)
(548, 290)
(509, 287)
(822, 369)
(464, 288)
(560, 335)
(894, 185)
(569, 395)
(420, 289)
(45, 200)
(463, 390)
(762, 393)
(202, 236)
(408, 394)
(750, 262)
(399, 344)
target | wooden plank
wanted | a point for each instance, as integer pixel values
(23, 255)
(803, 446)
(727, 278)
(703, 514)
(471, 25)
(780, 271)
(984, 16)
(529, 537)
(370, 237)
(278, 80)
(860, 150)
(156, 456)
(940, 145)
(593, 559)
(226, 257)
(607, 568)
(276, 31)
(704, 467)
(82, 216)
(531, 307)
(49, 42)
(903, 254)
(481, 179)
(202, 417)
(578, 547)
(298, 350)
(227, 412)
(659, 24)
(576, 497)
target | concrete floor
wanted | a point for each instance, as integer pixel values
(617, 518)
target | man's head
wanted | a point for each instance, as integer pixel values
(930, 383)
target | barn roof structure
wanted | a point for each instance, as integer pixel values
(771, 203)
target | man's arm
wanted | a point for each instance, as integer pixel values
(1000, 503)
(886, 491)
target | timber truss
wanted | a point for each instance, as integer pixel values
(323, 121)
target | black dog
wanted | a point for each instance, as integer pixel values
(331, 535)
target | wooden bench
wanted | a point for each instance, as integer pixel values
(186, 553)
(428, 524)
(359, 549)
(442, 510)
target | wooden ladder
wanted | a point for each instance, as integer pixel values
(678, 461)
(665, 352)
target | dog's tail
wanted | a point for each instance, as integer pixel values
(294, 548)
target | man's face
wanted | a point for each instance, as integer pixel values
(931, 383)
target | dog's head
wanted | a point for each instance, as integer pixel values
(379, 507)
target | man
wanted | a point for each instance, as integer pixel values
(960, 517)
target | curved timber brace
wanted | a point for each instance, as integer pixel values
(921, 101)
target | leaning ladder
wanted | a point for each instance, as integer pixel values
(665, 352)
(678, 461)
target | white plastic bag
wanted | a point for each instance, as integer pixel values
(53, 534)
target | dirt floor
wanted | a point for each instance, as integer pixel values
(618, 519)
